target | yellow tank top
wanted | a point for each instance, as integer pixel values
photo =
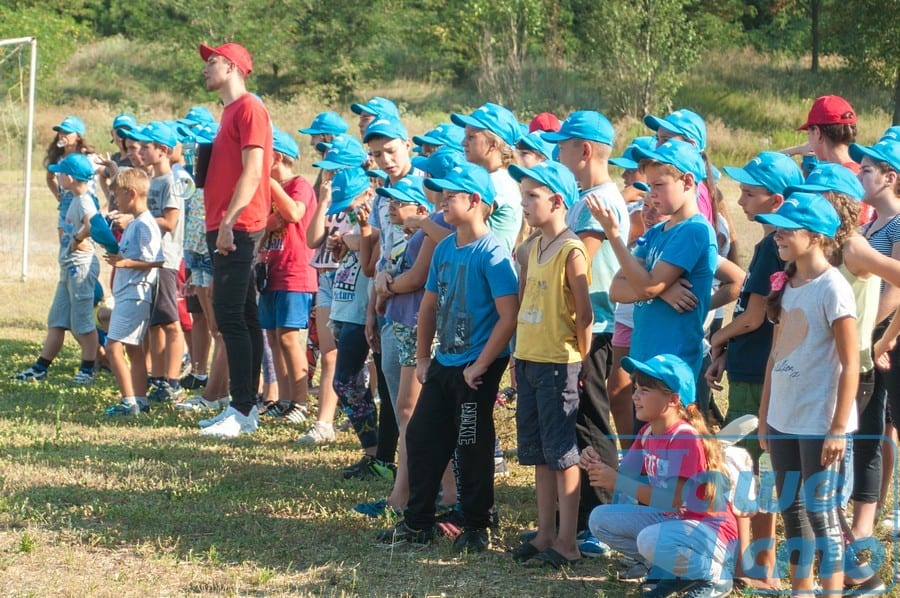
(546, 327)
(866, 292)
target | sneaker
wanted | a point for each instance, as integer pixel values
(123, 409)
(376, 509)
(165, 393)
(500, 469)
(590, 546)
(891, 522)
(506, 397)
(403, 534)
(473, 539)
(274, 409)
(198, 403)
(31, 375)
(82, 378)
(319, 433)
(193, 382)
(383, 469)
(359, 470)
(233, 424)
(634, 573)
(295, 414)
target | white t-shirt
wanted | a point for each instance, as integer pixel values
(506, 220)
(806, 367)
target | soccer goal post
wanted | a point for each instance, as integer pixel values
(31, 44)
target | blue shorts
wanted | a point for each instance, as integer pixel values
(284, 309)
(326, 284)
(547, 405)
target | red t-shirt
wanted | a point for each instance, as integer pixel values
(245, 123)
(286, 251)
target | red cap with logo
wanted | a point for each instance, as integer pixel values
(545, 121)
(236, 53)
(830, 110)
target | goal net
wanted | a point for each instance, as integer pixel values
(18, 61)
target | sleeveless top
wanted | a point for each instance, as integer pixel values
(866, 292)
(545, 332)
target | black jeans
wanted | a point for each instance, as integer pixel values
(388, 432)
(234, 304)
(592, 426)
(451, 416)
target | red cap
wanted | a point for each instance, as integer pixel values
(236, 53)
(830, 110)
(545, 121)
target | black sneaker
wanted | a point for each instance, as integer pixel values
(403, 534)
(192, 382)
(473, 539)
(359, 470)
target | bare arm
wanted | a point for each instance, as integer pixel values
(750, 319)
(730, 277)
(425, 335)
(577, 278)
(507, 308)
(290, 210)
(169, 220)
(845, 340)
(414, 279)
(316, 229)
(763, 425)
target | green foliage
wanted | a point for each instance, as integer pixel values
(865, 33)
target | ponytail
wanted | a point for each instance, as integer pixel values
(715, 458)
(773, 301)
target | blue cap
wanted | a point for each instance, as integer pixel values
(497, 119)
(380, 175)
(671, 370)
(808, 211)
(684, 122)
(198, 115)
(326, 123)
(886, 150)
(828, 176)
(183, 133)
(440, 162)
(156, 132)
(443, 135)
(388, 127)
(584, 124)
(76, 165)
(534, 142)
(409, 189)
(283, 143)
(204, 134)
(346, 186)
(682, 155)
(467, 178)
(772, 170)
(344, 151)
(71, 124)
(553, 175)
(377, 107)
(892, 134)
(124, 121)
(627, 160)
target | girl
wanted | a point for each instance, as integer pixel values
(807, 406)
(69, 139)
(683, 533)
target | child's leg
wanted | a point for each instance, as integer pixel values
(619, 525)
(619, 386)
(292, 346)
(351, 386)
(200, 344)
(545, 487)
(138, 363)
(115, 352)
(274, 343)
(174, 349)
(328, 399)
(568, 485)
(682, 548)
(53, 343)
(407, 397)
(157, 351)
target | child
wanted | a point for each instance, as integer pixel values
(167, 206)
(631, 174)
(682, 530)
(444, 135)
(553, 337)
(532, 149)
(73, 304)
(140, 254)
(324, 128)
(375, 108)
(470, 302)
(808, 404)
(290, 281)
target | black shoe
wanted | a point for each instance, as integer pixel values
(360, 470)
(403, 534)
(473, 539)
(192, 382)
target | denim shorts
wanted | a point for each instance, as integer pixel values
(324, 294)
(73, 303)
(546, 412)
(284, 309)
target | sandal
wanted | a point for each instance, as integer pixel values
(549, 557)
(525, 551)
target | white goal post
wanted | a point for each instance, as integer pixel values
(29, 135)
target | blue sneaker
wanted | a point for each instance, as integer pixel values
(123, 409)
(376, 509)
(590, 546)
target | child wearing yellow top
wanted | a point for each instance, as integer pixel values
(553, 336)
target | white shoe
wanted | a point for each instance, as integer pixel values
(198, 403)
(233, 423)
(891, 522)
(319, 433)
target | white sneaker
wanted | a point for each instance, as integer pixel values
(82, 378)
(198, 403)
(233, 423)
(891, 522)
(319, 433)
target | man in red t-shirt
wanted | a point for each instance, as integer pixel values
(237, 202)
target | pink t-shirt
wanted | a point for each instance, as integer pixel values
(286, 251)
(681, 449)
(704, 202)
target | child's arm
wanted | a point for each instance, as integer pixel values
(762, 429)
(413, 279)
(290, 210)
(577, 279)
(81, 235)
(747, 321)
(315, 230)
(435, 231)
(507, 307)
(169, 220)
(369, 248)
(114, 259)
(426, 325)
(887, 342)
(730, 277)
(845, 340)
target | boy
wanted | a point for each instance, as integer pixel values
(553, 337)
(684, 247)
(73, 304)
(167, 206)
(585, 142)
(324, 128)
(373, 109)
(470, 302)
(286, 300)
(136, 263)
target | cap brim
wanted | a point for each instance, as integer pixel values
(631, 365)
(742, 176)
(858, 152)
(206, 52)
(778, 221)
(329, 165)
(377, 174)
(641, 186)
(624, 163)
(554, 137)
(420, 163)
(312, 131)
(653, 122)
(337, 208)
(398, 195)
(464, 120)
(54, 168)
(804, 188)
(360, 108)
(443, 185)
(425, 139)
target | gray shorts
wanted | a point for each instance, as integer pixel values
(73, 303)
(165, 302)
(326, 284)
(545, 413)
(129, 320)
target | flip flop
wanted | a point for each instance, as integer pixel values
(549, 557)
(525, 551)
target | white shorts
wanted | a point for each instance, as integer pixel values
(129, 320)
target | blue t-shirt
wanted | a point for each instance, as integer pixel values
(748, 353)
(467, 280)
(658, 328)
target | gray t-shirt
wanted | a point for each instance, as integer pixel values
(506, 220)
(350, 293)
(141, 240)
(162, 196)
(81, 207)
